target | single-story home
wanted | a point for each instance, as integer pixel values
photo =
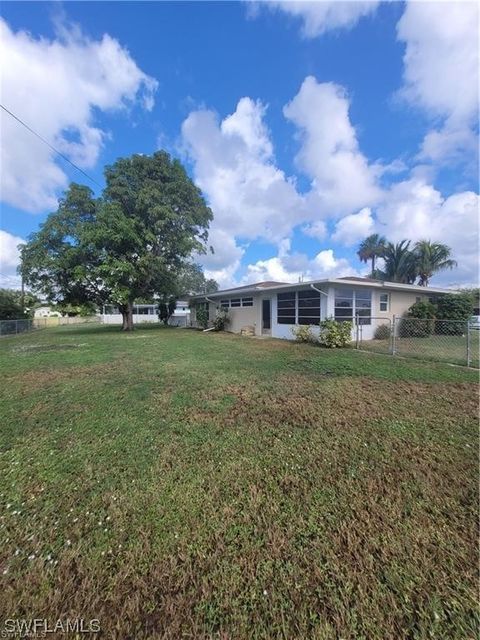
(46, 312)
(148, 313)
(274, 308)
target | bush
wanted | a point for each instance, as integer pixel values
(455, 311)
(382, 332)
(221, 320)
(420, 320)
(335, 334)
(303, 333)
(415, 328)
(202, 318)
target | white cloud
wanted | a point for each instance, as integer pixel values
(291, 267)
(441, 72)
(9, 259)
(414, 209)
(235, 167)
(320, 17)
(342, 179)
(317, 230)
(222, 264)
(55, 86)
(354, 227)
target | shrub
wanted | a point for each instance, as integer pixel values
(415, 327)
(382, 332)
(335, 334)
(221, 320)
(454, 310)
(202, 318)
(420, 320)
(303, 333)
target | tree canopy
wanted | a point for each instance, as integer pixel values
(134, 241)
(404, 263)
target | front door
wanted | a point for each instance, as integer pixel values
(266, 315)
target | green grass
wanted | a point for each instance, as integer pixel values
(438, 348)
(175, 484)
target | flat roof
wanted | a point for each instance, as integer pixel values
(354, 282)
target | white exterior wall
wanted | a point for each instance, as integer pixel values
(138, 318)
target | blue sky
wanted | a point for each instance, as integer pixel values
(306, 125)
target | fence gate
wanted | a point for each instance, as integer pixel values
(373, 334)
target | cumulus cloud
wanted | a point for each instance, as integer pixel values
(9, 259)
(222, 264)
(354, 227)
(55, 86)
(317, 230)
(291, 267)
(441, 73)
(415, 209)
(235, 167)
(320, 17)
(342, 178)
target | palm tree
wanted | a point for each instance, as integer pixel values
(372, 248)
(400, 262)
(430, 258)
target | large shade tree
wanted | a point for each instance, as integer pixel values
(130, 243)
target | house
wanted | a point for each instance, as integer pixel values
(274, 308)
(148, 313)
(46, 312)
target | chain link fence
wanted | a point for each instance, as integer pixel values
(22, 325)
(12, 327)
(452, 341)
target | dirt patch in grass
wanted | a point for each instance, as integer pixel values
(33, 380)
(299, 401)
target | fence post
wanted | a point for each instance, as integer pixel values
(393, 346)
(469, 357)
(357, 328)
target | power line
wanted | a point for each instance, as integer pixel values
(49, 145)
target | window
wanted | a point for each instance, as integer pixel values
(343, 304)
(247, 302)
(363, 306)
(384, 302)
(235, 302)
(286, 308)
(224, 304)
(308, 307)
(353, 303)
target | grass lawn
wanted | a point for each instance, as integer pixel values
(439, 348)
(175, 484)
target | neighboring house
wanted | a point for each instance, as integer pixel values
(273, 308)
(148, 313)
(46, 312)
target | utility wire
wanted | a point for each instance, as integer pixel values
(49, 145)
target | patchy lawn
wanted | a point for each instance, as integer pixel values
(178, 484)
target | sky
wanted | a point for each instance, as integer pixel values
(307, 125)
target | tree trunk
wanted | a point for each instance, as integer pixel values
(127, 316)
(373, 266)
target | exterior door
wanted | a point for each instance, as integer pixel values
(266, 315)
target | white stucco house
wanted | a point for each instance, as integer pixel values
(274, 308)
(148, 313)
(46, 312)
